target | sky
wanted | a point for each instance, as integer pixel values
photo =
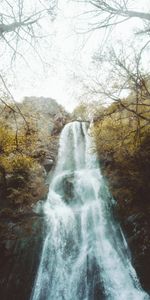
(68, 54)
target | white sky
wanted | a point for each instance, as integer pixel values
(69, 54)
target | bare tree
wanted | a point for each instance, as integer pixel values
(111, 12)
(22, 30)
(21, 22)
(128, 76)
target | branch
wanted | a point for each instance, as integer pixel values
(114, 9)
(10, 94)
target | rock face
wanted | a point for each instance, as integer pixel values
(133, 213)
(21, 228)
(48, 163)
(47, 115)
(20, 254)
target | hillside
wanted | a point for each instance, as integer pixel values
(123, 144)
(28, 146)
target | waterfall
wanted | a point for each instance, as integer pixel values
(85, 255)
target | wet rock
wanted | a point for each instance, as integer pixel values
(48, 164)
(20, 253)
(68, 187)
(132, 210)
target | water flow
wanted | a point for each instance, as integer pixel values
(85, 255)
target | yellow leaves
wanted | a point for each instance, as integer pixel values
(21, 162)
(80, 111)
(5, 163)
(114, 136)
(120, 132)
(16, 149)
(7, 140)
(16, 163)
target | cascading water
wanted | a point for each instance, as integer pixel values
(85, 255)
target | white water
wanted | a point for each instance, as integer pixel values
(85, 255)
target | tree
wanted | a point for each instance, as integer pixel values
(16, 151)
(21, 32)
(126, 74)
(127, 85)
(21, 21)
(111, 12)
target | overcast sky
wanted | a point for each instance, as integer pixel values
(69, 53)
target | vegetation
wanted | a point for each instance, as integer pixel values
(27, 150)
(123, 138)
(121, 127)
(122, 141)
(16, 161)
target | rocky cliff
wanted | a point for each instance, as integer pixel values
(21, 227)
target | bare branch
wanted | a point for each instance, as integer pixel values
(113, 12)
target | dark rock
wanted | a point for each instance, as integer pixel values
(132, 209)
(20, 253)
(68, 188)
(48, 164)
